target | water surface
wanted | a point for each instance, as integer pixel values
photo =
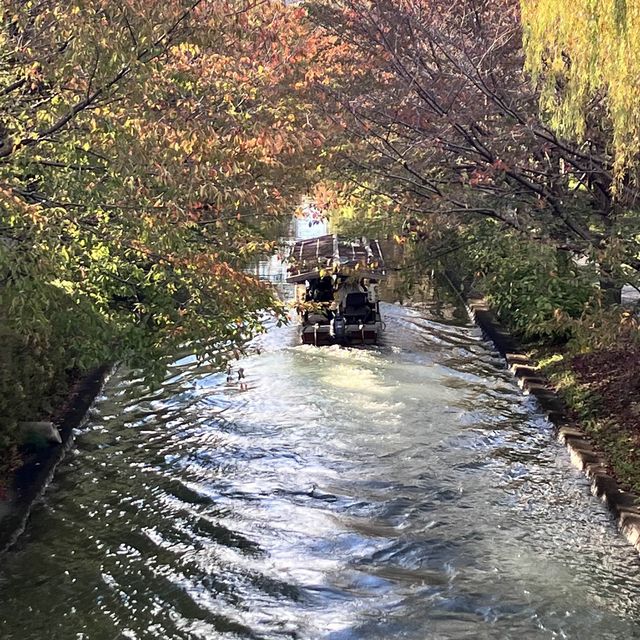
(404, 491)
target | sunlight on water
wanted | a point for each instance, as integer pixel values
(402, 491)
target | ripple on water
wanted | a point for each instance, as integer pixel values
(402, 491)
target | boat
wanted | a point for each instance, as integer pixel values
(337, 289)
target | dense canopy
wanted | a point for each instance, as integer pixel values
(149, 151)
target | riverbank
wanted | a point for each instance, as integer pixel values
(594, 401)
(28, 470)
(602, 392)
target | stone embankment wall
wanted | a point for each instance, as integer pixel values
(625, 506)
(31, 480)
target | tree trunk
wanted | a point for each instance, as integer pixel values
(611, 292)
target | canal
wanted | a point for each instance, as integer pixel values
(404, 491)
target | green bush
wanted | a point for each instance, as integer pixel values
(537, 290)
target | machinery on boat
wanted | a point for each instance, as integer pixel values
(337, 289)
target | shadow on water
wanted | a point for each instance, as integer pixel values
(403, 491)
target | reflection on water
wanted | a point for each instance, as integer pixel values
(405, 491)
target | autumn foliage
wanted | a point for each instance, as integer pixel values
(149, 151)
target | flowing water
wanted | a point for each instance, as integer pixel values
(404, 491)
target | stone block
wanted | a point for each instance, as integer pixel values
(604, 486)
(582, 457)
(623, 501)
(557, 417)
(594, 468)
(527, 382)
(521, 370)
(569, 432)
(630, 527)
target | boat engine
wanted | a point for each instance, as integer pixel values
(339, 328)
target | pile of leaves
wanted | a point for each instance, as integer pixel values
(613, 377)
(602, 388)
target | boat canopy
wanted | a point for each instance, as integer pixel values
(327, 255)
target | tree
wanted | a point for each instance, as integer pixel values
(148, 151)
(585, 56)
(445, 121)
